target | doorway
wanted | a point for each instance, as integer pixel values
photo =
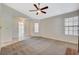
(21, 29)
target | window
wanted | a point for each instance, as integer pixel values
(71, 26)
(36, 27)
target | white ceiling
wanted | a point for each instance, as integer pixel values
(53, 10)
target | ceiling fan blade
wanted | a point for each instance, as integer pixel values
(43, 12)
(44, 8)
(36, 6)
(32, 10)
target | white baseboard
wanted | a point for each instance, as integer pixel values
(11, 42)
(60, 40)
(57, 39)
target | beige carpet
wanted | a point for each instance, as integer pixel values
(37, 46)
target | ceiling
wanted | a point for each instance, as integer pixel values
(53, 10)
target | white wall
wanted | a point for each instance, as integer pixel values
(54, 28)
(0, 32)
(0, 24)
(9, 24)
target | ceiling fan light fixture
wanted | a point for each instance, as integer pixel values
(39, 11)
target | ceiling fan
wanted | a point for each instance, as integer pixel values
(39, 9)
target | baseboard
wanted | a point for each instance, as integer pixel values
(11, 42)
(55, 39)
(8, 43)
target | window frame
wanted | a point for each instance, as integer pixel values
(36, 27)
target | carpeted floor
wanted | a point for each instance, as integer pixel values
(37, 46)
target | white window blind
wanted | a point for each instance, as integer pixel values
(71, 26)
